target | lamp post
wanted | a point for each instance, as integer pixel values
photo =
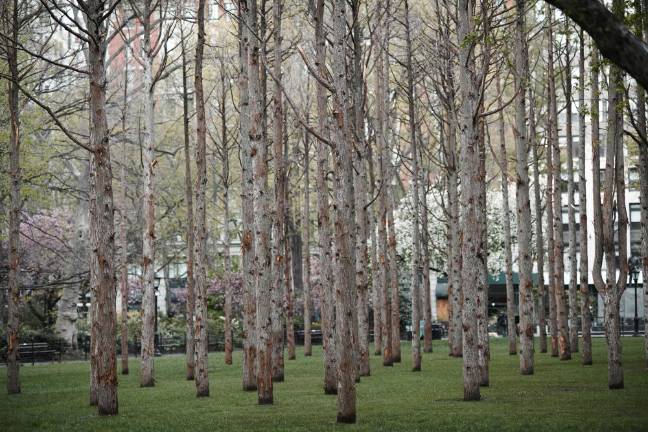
(633, 264)
(156, 285)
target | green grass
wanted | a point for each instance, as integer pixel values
(560, 396)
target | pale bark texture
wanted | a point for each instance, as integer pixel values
(344, 222)
(472, 246)
(522, 195)
(227, 259)
(382, 74)
(483, 342)
(643, 176)
(308, 348)
(13, 295)
(553, 327)
(200, 268)
(247, 237)
(540, 247)
(147, 373)
(585, 314)
(327, 293)
(393, 265)
(279, 223)
(191, 296)
(606, 217)
(559, 273)
(416, 245)
(102, 226)
(506, 223)
(123, 242)
(425, 261)
(571, 203)
(263, 222)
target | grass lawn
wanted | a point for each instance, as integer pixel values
(560, 396)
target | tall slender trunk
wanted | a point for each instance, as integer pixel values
(393, 264)
(571, 214)
(323, 216)
(382, 74)
(540, 247)
(559, 284)
(357, 118)
(263, 222)
(292, 276)
(344, 222)
(511, 328)
(585, 314)
(483, 342)
(416, 246)
(425, 252)
(200, 268)
(278, 287)
(227, 259)
(247, 197)
(147, 372)
(596, 165)
(308, 348)
(522, 195)
(470, 200)
(13, 297)
(553, 326)
(123, 276)
(102, 225)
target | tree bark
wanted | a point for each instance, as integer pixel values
(540, 248)
(612, 37)
(200, 269)
(327, 293)
(586, 316)
(344, 222)
(559, 285)
(308, 348)
(416, 246)
(571, 214)
(147, 373)
(263, 222)
(643, 173)
(472, 241)
(123, 276)
(425, 251)
(511, 329)
(247, 197)
(522, 195)
(13, 297)
(382, 74)
(102, 225)
(278, 287)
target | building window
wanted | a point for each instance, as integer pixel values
(633, 178)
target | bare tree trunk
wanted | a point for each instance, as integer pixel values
(289, 276)
(425, 250)
(416, 245)
(375, 264)
(200, 270)
(511, 330)
(247, 198)
(393, 265)
(559, 285)
(308, 348)
(540, 247)
(123, 276)
(483, 342)
(227, 260)
(263, 222)
(522, 195)
(102, 225)
(586, 316)
(553, 326)
(571, 215)
(323, 217)
(455, 339)
(382, 74)
(280, 207)
(470, 200)
(13, 297)
(345, 274)
(597, 216)
(147, 373)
